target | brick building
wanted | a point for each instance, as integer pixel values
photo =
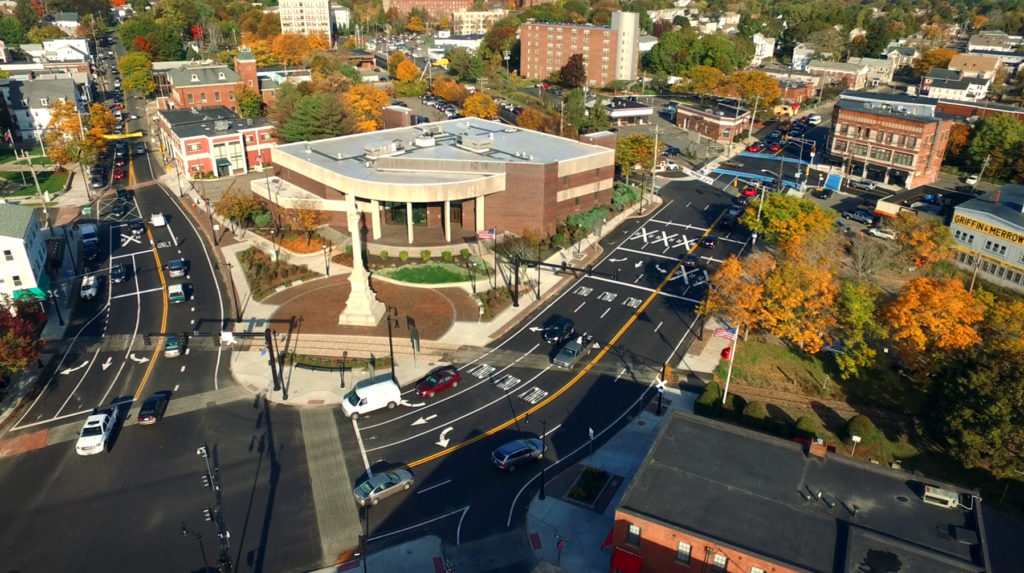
(442, 182)
(215, 140)
(889, 138)
(855, 75)
(609, 52)
(306, 17)
(437, 8)
(716, 120)
(210, 86)
(715, 497)
(796, 91)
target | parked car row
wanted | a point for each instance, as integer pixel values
(504, 103)
(449, 110)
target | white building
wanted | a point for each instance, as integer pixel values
(28, 102)
(764, 49)
(22, 253)
(341, 18)
(62, 50)
(475, 22)
(879, 69)
(68, 23)
(802, 55)
(470, 43)
(306, 17)
(952, 85)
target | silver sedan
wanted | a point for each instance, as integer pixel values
(382, 485)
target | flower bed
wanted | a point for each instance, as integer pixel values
(265, 276)
(589, 485)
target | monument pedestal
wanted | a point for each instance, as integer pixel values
(362, 307)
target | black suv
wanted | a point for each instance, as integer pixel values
(559, 331)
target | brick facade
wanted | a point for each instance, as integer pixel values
(719, 128)
(437, 8)
(608, 53)
(659, 547)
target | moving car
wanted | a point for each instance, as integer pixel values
(176, 268)
(90, 287)
(119, 210)
(370, 395)
(95, 435)
(119, 273)
(822, 193)
(173, 346)
(559, 331)
(755, 148)
(518, 452)
(153, 408)
(814, 119)
(572, 351)
(691, 261)
(865, 185)
(438, 381)
(750, 191)
(176, 293)
(124, 194)
(383, 485)
(972, 180)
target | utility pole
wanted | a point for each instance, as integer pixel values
(654, 167)
(984, 165)
(750, 131)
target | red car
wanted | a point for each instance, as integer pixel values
(775, 147)
(438, 381)
(749, 191)
(119, 174)
(755, 148)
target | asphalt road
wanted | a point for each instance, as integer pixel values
(124, 510)
(448, 439)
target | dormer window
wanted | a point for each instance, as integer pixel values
(24, 103)
(220, 76)
(195, 77)
(44, 101)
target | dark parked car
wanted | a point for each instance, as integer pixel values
(119, 210)
(559, 331)
(137, 227)
(512, 454)
(823, 193)
(709, 242)
(119, 273)
(691, 261)
(438, 381)
(124, 194)
(153, 408)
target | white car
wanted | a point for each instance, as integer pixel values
(814, 119)
(95, 435)
(972, 180)
(90, 287)
(671, 165)
(881, 233)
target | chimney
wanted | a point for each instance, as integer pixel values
(995, 196)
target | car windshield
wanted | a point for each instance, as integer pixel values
(352, 398)
(91, 431)
(431, 380)
(365, 488)
(174, 265)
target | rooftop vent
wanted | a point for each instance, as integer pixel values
(720, 113)
(424, 141)
(476, 143)
(378, 151)
(940, 497)
(511, 130)
(221, 125)
(309, 148)
(195, 77)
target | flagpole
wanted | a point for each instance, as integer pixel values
(732, 357)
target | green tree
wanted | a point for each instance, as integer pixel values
(1001, 132)
(350, 71)
(976, 410)
(11, 31)
(857, 327)
(599, 119)
(466, 66)
(137, 72)
(318, 116)
(574, 73)
(250, 103)
(576, 109)
(19, 343)
(784, 218)
(632, 150)
(393, 61)
(38, 35)
(141, 25)
(26, 15)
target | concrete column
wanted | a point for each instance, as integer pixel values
(479, 210)
(375, 218)
(447, 221)
(408, 220)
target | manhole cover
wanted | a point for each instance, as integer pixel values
(902, 498)
(641, 423)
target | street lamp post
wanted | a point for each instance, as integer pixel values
(185, 532)
(471, 269)
(543, 451)
(506, 54)
(327, 261)
(391, 343)
(56, 305)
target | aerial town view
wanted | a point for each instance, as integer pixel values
(432, 286)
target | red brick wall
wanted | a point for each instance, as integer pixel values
(800, 94)
(608, 141)
(534, 51)
(964, 109)
(658, 546)
(708, 127)
(226, 92)
(397, 116)
(537, 186)
(435, 7)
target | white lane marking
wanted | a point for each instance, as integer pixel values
(646, 254)
(659, 326)
(131, 254)
(173, 238)
(182, 369)
(135, 358)
(580, 306)
(424, 420)
(125, 239)
(662, 293)
(176, 385)
(54, 419)
(619, 375)
(362, 448)
(138, 293)
(106, 364)
(461, 510)
(460, 418)
(75, 369)
(683, 225)
(435, 486)
(605, 311)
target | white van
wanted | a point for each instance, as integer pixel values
(370, 395)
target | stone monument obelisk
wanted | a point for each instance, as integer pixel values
(362, 307)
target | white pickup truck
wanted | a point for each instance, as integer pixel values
(95, 435)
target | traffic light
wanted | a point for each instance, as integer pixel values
(146, 339)
(208, 514)
(590, 270)
(565, 266)
(206, 480)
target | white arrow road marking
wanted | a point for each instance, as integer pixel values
(638, 264)
(137, 359)
(79, 367)
(660, 270)
(424, 420)
(443, 442)
(536, 328)
(106, 364)
(618, 260)
(410, 405)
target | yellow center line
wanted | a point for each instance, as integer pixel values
(163, 319)
(577, 377)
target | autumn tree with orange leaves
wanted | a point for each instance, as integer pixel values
(407, 71)
(959, 136)
(530, 118)
(308, 217)
(931, 318)
(367, 105)
(480, 105)
(737, 288)
(449, 90)
(923, 241)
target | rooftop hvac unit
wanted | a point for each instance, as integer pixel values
(940, 497)
(425, 141)
(221, 125)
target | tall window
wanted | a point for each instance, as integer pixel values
(633, 535)
(719, 563)
(16, 281)
(683, 553)
(903, 159)
(8, 255)
(859, 149)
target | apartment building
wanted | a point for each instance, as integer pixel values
(436, 8)
(208, 86)
(306, 17)
(28, 103)
(890, 138)
(855, 75)
(468, 23)
(879, 69)
(22, 253)
(953, 85)
(215, 141)
(610, 53)
(976, 66)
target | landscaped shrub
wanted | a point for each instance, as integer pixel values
(754, 414)
(464, 253)
(734, 406)
(383, 255)
(807, 427)
(348, 249)
(425, 255)
(710, 402)
(861, 425)
(624, 195)
(587, 220)
(403, 255)
(447, 256)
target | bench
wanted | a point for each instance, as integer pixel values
(318, 368)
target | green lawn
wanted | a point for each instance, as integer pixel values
(36, 154)
(429, 273)
(48, 181)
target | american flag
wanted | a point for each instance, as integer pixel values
(487, 234)
(723, 332)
